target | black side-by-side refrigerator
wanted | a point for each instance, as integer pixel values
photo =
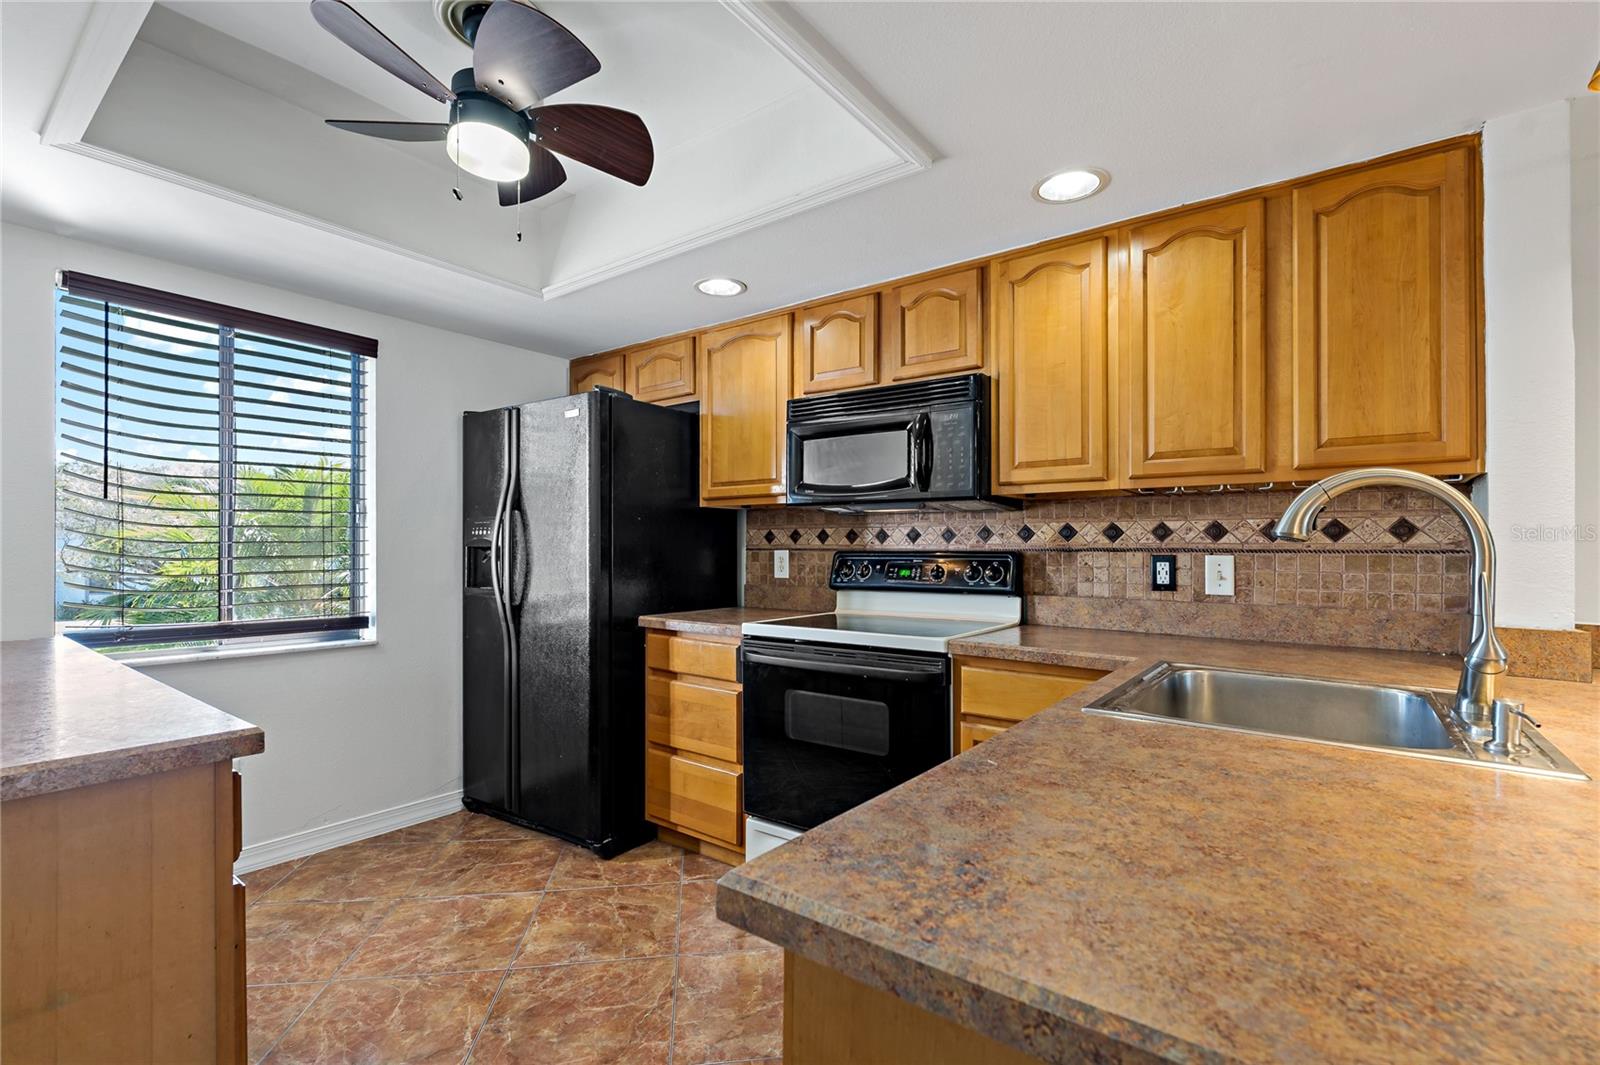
(581, 513)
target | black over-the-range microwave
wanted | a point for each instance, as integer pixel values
(900, 447)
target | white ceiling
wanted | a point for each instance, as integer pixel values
(763, 136)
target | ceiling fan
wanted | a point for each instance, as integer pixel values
(496, 130)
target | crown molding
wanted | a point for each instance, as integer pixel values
(107, 35)
(774, 24)
(221, 192)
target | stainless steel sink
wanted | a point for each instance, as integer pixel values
(1410, 721)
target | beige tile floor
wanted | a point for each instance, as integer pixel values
(468, 939)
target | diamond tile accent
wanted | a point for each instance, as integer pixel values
(1403, 530)
(985, 534)
(852, 536)
(1112, 532)
(948, 535)
(1335, 530)
(794, 536)
(1161, 531)
(914, 535)
(1025, 534)
(1266, 530)
(1067, 532)
(880, 536)
(1215, 531)
(771, 536)
(822, 536)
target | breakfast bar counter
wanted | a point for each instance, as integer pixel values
(1088, 887)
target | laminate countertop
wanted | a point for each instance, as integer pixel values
(719, 621)
(70, 717)
(1083, 886)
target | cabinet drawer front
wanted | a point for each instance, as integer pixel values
(695, 716)
(1012, 694)
(975, 732)
(692, 795)
(702, 658)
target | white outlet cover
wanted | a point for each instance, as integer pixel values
(780, 565)
(1219, 574)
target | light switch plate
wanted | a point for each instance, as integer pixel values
(1219, 574)
(780, 565)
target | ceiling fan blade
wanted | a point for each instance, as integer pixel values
(544, 175)
(342, 20)
(602, 137)
(393, 131)
(522, 55)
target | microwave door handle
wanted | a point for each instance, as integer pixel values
(921, 432)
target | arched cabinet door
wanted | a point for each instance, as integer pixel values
(595, 371)
(1052, 369)
(934, 326)
(1194, 353)
(662, 372)
(744, 389)
(836, 345)
(1386, 316)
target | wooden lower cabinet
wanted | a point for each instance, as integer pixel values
(123, 925)
(694, 773)
(830, 1019)
(993, 694)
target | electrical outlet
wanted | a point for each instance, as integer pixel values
(1219, 574)
(1163, 573)
(780, 565)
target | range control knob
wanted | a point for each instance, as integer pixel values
(994, 573)
(973, 573)
(863, 570)
(936, 573)
(843, 570)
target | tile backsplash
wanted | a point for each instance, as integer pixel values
(1386, 569)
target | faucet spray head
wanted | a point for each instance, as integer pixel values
(1299, 520)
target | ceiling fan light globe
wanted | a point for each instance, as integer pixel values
(488, 151)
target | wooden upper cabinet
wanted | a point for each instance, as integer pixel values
(1052, 368)
(744, 387)
(1194, 344)
(1385, 315)
(836, 345)
(662, 372)
(934, 326)
(597, 370)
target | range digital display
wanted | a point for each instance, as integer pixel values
(903, 573)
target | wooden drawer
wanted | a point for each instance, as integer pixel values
(1014, 691)
(975, 732)
(702, 657)
(700, 798)
(693, 715)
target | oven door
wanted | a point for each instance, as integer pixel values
(882, 457)
(828, 727)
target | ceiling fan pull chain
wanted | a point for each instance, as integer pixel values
(519, 210)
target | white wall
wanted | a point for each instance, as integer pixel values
(1586, 334)
(349, 732)
(1529, 490)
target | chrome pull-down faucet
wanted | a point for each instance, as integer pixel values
(1485, 660)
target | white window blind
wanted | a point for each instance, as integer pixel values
(210, 472)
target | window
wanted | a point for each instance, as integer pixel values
(210, 472)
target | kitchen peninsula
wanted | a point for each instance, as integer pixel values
(119, 825)
(1085, 887)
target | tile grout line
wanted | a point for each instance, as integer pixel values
(272, 1048)
(677, 953)
(516, 951)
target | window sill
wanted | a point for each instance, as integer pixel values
(140, 660)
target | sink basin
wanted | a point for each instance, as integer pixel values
(1411, 721)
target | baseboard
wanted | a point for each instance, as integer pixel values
(301, 844)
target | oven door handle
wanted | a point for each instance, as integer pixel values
(933, 671)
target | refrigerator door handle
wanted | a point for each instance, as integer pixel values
(498, 548)
(519, 558)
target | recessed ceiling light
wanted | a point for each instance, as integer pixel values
(720, 286)
(1069, 185)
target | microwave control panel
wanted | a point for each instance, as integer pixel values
(956, 571)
